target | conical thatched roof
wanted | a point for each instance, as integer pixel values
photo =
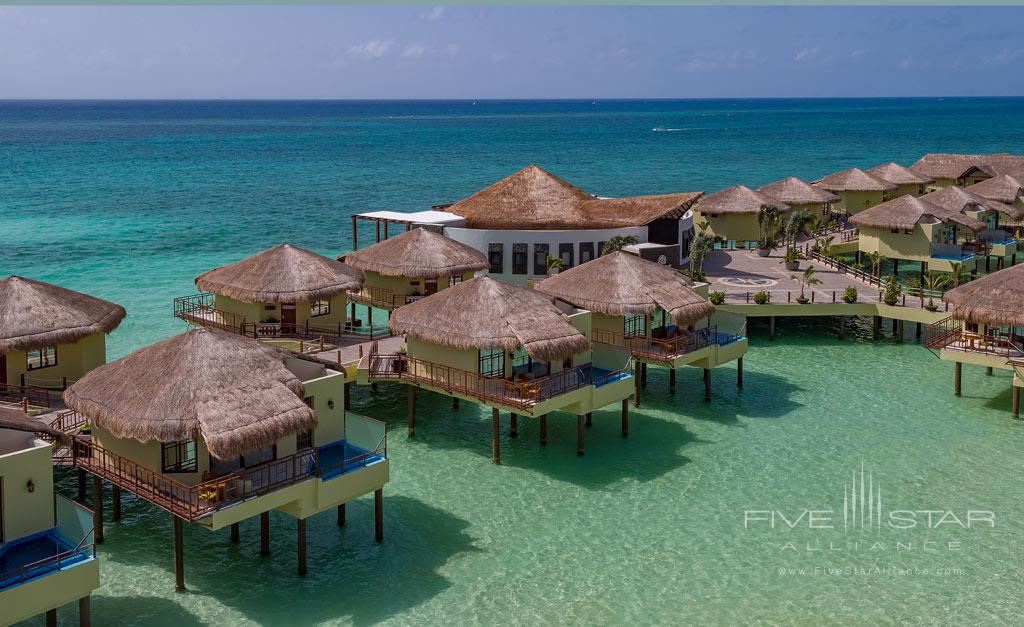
(952, 165)
(418, 253)
(899, 175)
(793, 191)
(486, 313)
(995, 299)
(959, 199)
(854, 180)
(620, 283)
(737, 199)
(906, 211)
(535, 199)
(17, 420)
(34, 314)
(234, 393)
(284, 273)
(1003, 188)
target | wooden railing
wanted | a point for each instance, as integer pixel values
(951, 334)
(662, 349)
(382, 297)
(34, 396)
(53, 563)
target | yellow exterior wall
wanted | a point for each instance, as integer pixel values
(405, 286)
(258, 312)
(741, 227)
(73, 361)
(18, 603)
(915, 246)
(852, 202)
(913, 189)
(25, 512)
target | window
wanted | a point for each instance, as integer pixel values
(540, 259)
(600, 248)
(992, 220)
(42, 357)
(309, 400)
(635, 325)
(270, 307)
(452, 280)
(520, 259)
(492, 362)
(179, 456)
(496, 256)
(894, 229)
(586, 251)
(565, 254)
(319, 308)
(304, 440)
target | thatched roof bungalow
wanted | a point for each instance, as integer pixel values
(907, 212)
(16, 420)
(994, 300)
(1003, 188)
(966, 169)
(731, 214)
(49, 333)
(906, 180)
(798, 194)
(857, 190)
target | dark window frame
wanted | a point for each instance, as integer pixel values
(634, 325)
(319, 308)
(44, 360)
(304, 440)
(567, 247)
(523, 250)
(541, 268)
(496, 258)
(181, 462)
(586, 247)
(491, 362)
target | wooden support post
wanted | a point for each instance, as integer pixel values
(455, 402)
(896, 268)
(636, 384)
(579, 435)
(235, 535)
(957, 372)
(300, 543)
(355, 238)
(377, 233)
(51, 618)
(900, 326)
(82, 485)
(988, 371)
(590, 419)
(513, 426)
(543, 430)
(917, 331)
(876, 326)
(771, 327)
(179, 555)
(373, 386)
(625, 417)
(739, 372)
(115, 503)
(1015, 408)
(410, 395)
(341, 515)
(842, 327)
(348, 395)
(353, 316)
(986, 262)
(85, 612)
(378, 515)
(264, 533)
(97, 508)
(495, 436)
(643, 375)
(707, 384)
(671, 380)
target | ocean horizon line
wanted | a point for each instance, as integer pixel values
(501, 100)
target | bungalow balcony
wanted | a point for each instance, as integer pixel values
(382, 298)
(951, 334)
(364, 447)
(956, 252)
(31, 399)
(666, 344)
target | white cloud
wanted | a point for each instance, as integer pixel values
(414, 51)
(807, 54)
(453, 49)
(498, 57)
(434, 14)
(858, 53)
(722, 61)
(1006, 55)
(906, 63)
(373, 49)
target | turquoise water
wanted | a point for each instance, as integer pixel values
(130, 201)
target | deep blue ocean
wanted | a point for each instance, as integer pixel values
(130, 200)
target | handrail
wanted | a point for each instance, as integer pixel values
(24, 572)
(36, 396)
(658, 348)
(949, 333)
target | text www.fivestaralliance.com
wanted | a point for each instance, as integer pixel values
(872, 571)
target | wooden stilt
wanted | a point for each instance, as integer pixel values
(495, 436)
(410, 395)
(643, 376)
(636, 384)
(300, 543)
(348, 395)
(51, 618)
(543, 430)
(179, 555)
(842, 327)
(707, 384)
(579, 435)
(988, 371)
(265, 533)
(590, 419)
(1015, 408)
(97, 508)
(739, 372)
(771, 327)
(917, 331)
(378, 515)
(513, 426)
(373, 386)
(625, 417)
(876, 326)
(455, 402)
(85, 611)
(235, 534)
(341, 515)
(115, 503)
(82, 485)
(671, 380)
(958, 370)
(900, 326)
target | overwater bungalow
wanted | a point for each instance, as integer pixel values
(910, 228)
(906, 180)
(506, 347)
(215, 428)
(524, 219)
(964, 170)
(649, 312)
(857, 190)
(47, 556)
(1004, 188)
(983, 328)
(284, 295)
(49, 337)
(800, 195)
(730, 215)
(1000, 239)
(409, 266)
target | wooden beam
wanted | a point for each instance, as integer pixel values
(842, 327)
(579, 434)
(643, 375)
(300, 544)
(264, 533)
(771, 328)
(51, 618)
(513, 428)
(1015, 408)
(85, 612)
(957, 375)
(455, 402)
(590, 419)
(410, 395)
(355, 238)
(671, 380)
(235, 533)
(115, 502)
(495, 436)
(179, 555)
(739, 372)
(625, 417)
(82, 485)
(341, 515)
(378, 514)
(97, 508)
(636, 384)
(707, 384)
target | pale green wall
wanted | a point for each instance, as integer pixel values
(405, 286)
(25, 512)
(852, 202)
(256, 312)
(915, 246)
(73, 361)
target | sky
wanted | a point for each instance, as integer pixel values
(365, 52)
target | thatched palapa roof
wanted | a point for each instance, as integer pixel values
(959, 199)
(34, 314)
(793, 191)
(486, 313)
(854, 180)
(418, 253)
(737, 199)
(17, 420)
(899, 175)
(995, 299)
(284, 273)
(234, 393)
(620, 284)
(535, 199)
(1003, 188)
(907, 210)
(953, 166)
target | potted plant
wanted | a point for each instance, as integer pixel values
(850, 295)
(401, 359)
(716, 298)
(761, 298)
(891, 291)
(805, 279)
(792, 259)
(769, 229)
(935, 282)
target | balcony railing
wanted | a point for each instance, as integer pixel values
(25, 395)
(951, 334)
(382, 298)
(73, 524)
(658, 349)
(192, 502)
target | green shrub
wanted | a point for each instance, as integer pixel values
(761, 298)
(891, 291)
(717, 298)
(850, 295)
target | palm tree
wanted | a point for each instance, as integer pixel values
(934, 282)
(957, 273)
(795, 224)
(618, 242)
(805, 279)
(769, 226)
(700, 248)
(914, 286)
(554, 263)
(876, 259)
